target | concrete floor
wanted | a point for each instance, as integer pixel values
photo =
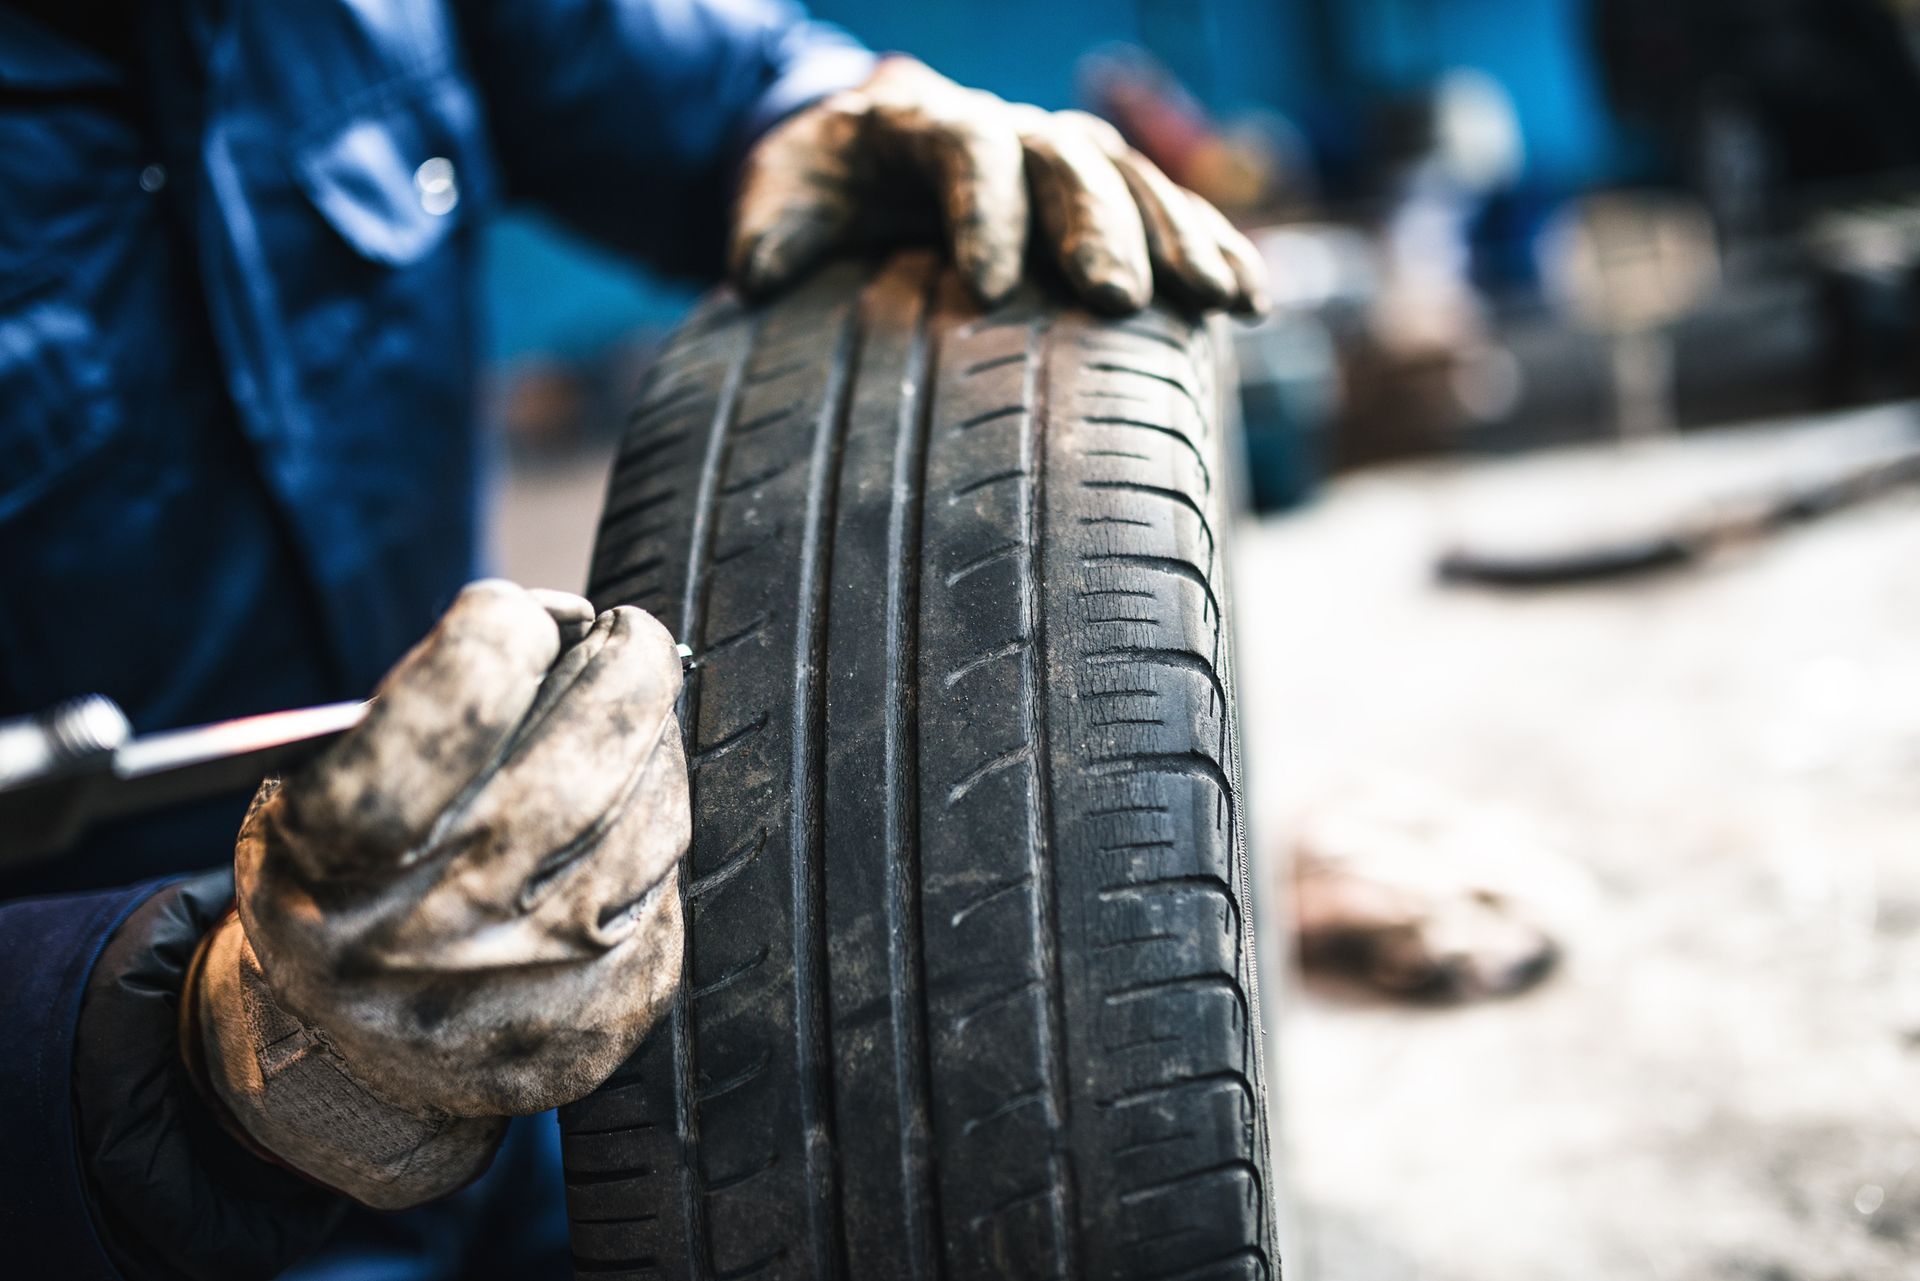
(1709, 784)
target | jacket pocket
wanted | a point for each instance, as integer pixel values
(396, 175)
(57, 399)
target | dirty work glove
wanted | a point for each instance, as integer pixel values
(463, 910)
(910, 151)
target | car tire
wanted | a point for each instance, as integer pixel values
(969, 984)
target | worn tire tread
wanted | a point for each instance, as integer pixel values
(969, 975)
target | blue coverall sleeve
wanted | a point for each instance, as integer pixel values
(47, 948)
(628, 118)
(114, 1166)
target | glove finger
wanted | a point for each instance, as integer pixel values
(980, 172)
(439, 719)
(609, 900)
(530, 1036)
(797, 201)
(578, 902)
(590, 803)
(1249, 268)
(1180, 243)
(572, 614)
(963, 145)
(1087, 214)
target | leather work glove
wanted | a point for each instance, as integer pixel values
(877, 164)
(462, 911)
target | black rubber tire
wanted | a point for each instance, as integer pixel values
(969, 981)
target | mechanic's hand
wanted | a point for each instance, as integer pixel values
(872, 165)
(462, 911)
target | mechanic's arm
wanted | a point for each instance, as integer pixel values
(628, 118)
(462, 911)
(52, 1220)
(639, 121)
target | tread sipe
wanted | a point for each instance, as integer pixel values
(969, 975)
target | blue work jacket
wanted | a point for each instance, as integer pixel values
(238, 327)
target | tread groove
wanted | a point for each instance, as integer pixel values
(812, 1044)
(735, 862)
(974, 664)
(761, 421)
(996, 892)
(991, 415)
(1196, 764)
(632, 1263)
(1172, 433)
(1005, 551)
(693, 621)
(1014, 1202)
(592, 1178)
(974, 486)
(727, 1085)
(1238, 1165)
(755, 1268)
(589, 1132)
(1196, 880)
(621, 585)
(1162, 656)
(995, 1001)
(980, 773)
(1136, 991)
(993, 362)
(1024, 1099)
(723, 1182)
(1111, 367)
(1246, 1253)
(738, 637)
(1165, 564)
(1159, 1090)
(1039, 394)
(733, 975)
(633, 507)
(649, 445)
(727, 556)
(1175, 496)
(755, 480)
(1152, 335)
(912, 1069)
(711, 752)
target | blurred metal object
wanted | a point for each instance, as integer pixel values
(48, 765)
(78, 763)
(1719, 527)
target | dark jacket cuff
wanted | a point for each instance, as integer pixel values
(172, 1193)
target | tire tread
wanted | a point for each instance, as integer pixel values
(968, 984)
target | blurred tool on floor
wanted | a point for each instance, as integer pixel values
(1719, 527)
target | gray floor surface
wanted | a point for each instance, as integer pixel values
(1709, 785)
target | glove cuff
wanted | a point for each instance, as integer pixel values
(193, 1051)
(280, 1085)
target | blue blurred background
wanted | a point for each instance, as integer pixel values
(1492, 225)
(1315, 61)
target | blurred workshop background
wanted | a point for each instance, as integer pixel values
(1581, 583)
